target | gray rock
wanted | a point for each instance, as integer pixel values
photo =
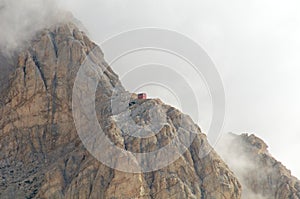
(41, 155)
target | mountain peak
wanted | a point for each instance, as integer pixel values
(42, 155)
(261, 175)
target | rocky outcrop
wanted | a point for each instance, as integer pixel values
(42, 156)
(260, 174)
(7, 66)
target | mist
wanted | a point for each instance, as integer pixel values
(232, 150)
(21, 19)
(255, 46)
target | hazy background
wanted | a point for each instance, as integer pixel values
(20, 19)
(255, 45)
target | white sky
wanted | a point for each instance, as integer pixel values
(255, 45)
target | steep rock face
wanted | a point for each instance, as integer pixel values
(260, 174)
(7, 66)
(41, 155)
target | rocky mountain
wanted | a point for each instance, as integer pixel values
(42, 155)
(7, 66)
(261, 175)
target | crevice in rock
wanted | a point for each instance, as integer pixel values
(38, 66)
(54, 96)
(149, 177)
(125, 138)
(24, 75)
(52, 37)
(24, 70)
(194, 155)
(202, 192)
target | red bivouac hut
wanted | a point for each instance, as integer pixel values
(142, 96)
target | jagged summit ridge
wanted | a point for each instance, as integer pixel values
(43, 157)
(261, 175)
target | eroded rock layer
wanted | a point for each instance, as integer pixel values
(41, 155)
(261, 175)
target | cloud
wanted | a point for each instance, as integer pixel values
(19, 20)
(233, 151)
(255, 45)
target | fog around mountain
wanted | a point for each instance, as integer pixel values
(253, 104)
(254, 44)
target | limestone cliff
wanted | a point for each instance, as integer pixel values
(41, 155)
(261, 176)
